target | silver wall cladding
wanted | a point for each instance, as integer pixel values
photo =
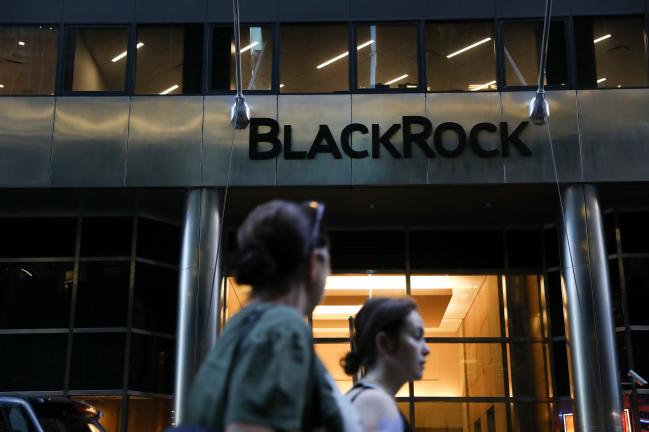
(89, 147)
(386, 110)
(164, 141)
(614, 126)
(225, 151)
(305, 114)
(467, 109)
(555, 144)
(25, 141)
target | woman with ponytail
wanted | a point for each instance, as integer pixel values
(263, 374)
(390, 350)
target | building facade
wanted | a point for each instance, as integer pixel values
(526, 247)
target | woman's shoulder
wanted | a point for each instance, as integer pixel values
(376, 408)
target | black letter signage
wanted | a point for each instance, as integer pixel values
(269, 137)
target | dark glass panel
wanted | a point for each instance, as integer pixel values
(158, 241)
(524, 313)
(152, 364)
(634, 232)
(611, 52)
(97, 361)
(551, 247)
(314, 59)
(532, 416)
(95, 59)
(387, 57)
(256, 58)
(622, 349)
(32, 362)
(37, 237)
(169, 59)
(460, 416)
(640, 344)
(616, 292)
(522, 47)
(636, 275)
(561, 368)
(106, 236)
(367, 250)
(102, 297)
(35, 295)
(528, 369)
(609, 233)
(156, 298)
(28, 63)
(452, 65)
(554, 292)
(524, 249)
(110, 407)
(456, 250)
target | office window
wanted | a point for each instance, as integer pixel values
(387, 57)
(460, 56)
(28, 62)
(611, 52)
(521, 53)
(314, 59)
(95, 59)
(169, 59)
(256, 59)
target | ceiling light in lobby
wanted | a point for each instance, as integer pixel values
(601, 80)
(599, 39)
(477, 87)
(343, 55)
(170, 89)
(396, 79)
(121, 55)
(480, 42)
(247, 47)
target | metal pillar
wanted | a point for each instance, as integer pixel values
(591, 328)
(198, 291)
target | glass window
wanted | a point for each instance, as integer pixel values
(636, 274)
(331, 354)
(102, 294)
(33, 362)
(155, 302)
(95, 59)
(456, 249)
(28, 63)
(634, 232)
(528, 416)
(169, 59)
(152, 364)
(17, 418)
(110, 407)
(37, 237)
(524, 249)
(101, 237)
(387, 57)
(35, 294)
(611, 52)
(149, 414)
(460, 56)
(459, 369)
(158, 241)
(460, 417)
(256, 58)
(521, 53)
(528, 369)
(561, 371)
(97, 361)
(524, 308)
(314, 59)
(355, 251)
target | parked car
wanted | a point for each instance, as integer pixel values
(48, 414)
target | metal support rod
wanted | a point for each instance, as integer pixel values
(237, 47)
(544, 45)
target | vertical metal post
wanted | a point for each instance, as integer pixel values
(591, 332)
(198, 291)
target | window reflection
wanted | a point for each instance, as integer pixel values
(314, 59)
(460, 56)
(256, 58)
(169, 59)
(611, 52)
(149, 414)
(96, 59)
(521, 52)
(387, 57)
(28, 63)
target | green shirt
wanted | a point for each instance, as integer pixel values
(273, 378)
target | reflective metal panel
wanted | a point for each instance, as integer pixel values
(467, 109)
(539, 168)
(90, 141)
(221, 140)
(305, 113)
(386, 110)
(614, 127)
(25, 141)
(164, 144)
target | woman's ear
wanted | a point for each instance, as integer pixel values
(384, 344)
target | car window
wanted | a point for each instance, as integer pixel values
(67, 424)
(17, 418)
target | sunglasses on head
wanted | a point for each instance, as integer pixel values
(315, 238)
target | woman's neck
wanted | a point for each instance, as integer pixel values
(295, 297)
(381, 377)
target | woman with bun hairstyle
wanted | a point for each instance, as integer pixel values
(263, 375)
(390, 350)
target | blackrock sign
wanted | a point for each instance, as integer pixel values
(264, 141)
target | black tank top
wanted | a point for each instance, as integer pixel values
(362, 387)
